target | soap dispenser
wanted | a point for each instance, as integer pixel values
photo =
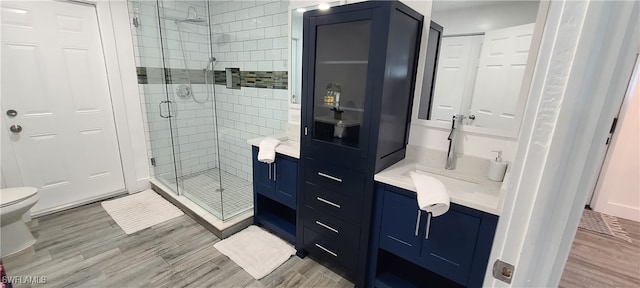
(497, 168)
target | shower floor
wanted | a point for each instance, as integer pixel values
(204, 189)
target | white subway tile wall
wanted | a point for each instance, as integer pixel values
(192, 122)
(250, 35)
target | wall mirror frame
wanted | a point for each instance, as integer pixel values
(532, 57)
(296, 9)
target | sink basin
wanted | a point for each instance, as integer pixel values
(453, 182)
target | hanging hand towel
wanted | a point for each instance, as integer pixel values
(432, 195)
(267, 150)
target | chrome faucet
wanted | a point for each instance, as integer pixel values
(453, 141)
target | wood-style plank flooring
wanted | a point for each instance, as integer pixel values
(598, 260)
(84, 247)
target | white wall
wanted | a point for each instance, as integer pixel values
(483, 18)
(618, 188)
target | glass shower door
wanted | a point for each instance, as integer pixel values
(184, 27)
(152, 82)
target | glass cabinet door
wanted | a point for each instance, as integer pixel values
(340, 81)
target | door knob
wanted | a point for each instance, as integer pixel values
(12, 113)
(15, 128)
(472, 117)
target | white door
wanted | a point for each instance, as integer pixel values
(502, 63)
(54, 77)
(457, 66)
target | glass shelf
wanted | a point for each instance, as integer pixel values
(343, 108)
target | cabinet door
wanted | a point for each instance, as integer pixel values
(285, 173)
(400, 226)
(263, 181)
(449, 244)
(337, 83)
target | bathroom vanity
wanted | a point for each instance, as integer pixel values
(275, 188)
(411, 249)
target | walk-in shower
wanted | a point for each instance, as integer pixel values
(195, 148)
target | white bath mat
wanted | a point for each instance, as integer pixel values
(255, 250)
(141, 210)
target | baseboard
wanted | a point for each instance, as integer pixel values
(77, 203)
(621, 211)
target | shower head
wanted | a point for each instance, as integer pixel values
(192, 17)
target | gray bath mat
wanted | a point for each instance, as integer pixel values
(602, 223)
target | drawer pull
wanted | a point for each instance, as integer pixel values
(328, 202)
(327, 227)
(330, 177)
(426, 231)
(418, 222)
(327, 250)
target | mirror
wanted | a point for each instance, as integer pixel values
(478, 51)
(296, 10)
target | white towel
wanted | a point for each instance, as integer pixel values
(267, 150)
(432, 195)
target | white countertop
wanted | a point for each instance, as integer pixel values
(287, 146)
(474, 191)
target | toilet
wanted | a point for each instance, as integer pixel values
(14, 233)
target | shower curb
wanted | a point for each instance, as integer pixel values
(220, 233)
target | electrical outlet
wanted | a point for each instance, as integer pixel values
(503, 271)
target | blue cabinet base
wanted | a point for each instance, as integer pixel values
(408, 248)
(275, 195)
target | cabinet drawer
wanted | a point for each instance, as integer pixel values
(345, 234)
(338, 179)
(332, 203)
(329, 249)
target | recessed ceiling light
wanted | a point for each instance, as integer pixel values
(324, 6)
(301, 10)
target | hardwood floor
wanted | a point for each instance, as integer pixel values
(84, 247)
(598, 260)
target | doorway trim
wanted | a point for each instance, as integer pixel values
(113, 19)
(587, 55)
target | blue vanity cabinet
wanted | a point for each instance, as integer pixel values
(449, 243)
(400, 227)
(262, 176)
(275, 195)
(285, 176)
(452, 247)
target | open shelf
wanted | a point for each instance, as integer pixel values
(276, 217)
(393, 271)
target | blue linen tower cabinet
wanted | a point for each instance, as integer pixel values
(359, 73)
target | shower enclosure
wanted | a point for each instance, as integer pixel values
(195, 147)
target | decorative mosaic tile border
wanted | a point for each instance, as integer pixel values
(257, 79)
